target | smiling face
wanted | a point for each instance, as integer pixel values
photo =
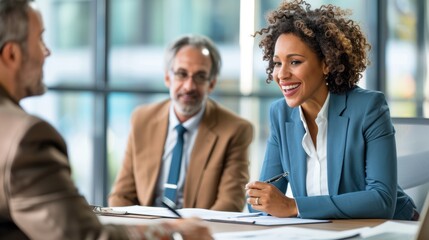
(299, 73)
(188, 94)
(30, 75)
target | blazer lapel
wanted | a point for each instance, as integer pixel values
(337, 136)
(204, 144)
(152, 167)
(297, 157)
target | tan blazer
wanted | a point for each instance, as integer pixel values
(218, 168)
(38, 199)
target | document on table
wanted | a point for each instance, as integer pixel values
(185, 212)
(391, 229)
(387, 230)
(275, 221)
(218, 216)
(286, 233)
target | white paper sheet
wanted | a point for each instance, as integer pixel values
(275, 221)
(406, 229)
(185, 212)
(220, 216)
(286, 233)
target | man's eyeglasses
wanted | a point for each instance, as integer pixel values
(198, 78)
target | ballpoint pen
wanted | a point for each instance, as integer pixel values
(170, 206)
(277, 177)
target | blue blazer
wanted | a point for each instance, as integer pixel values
(361, 158)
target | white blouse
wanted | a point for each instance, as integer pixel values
(317, 172)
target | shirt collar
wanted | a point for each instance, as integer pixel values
(322, 115)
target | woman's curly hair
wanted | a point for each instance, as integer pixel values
(335, 39)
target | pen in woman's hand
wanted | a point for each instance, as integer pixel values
(277, 177)
(170, 205)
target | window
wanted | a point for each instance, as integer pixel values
(406, 63)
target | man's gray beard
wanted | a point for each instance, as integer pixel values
(42, 88)
(26, 74)
(42, 91)
(189, 111)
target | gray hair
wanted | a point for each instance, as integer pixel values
(199, 42)
(14, 22)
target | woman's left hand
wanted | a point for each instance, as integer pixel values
(267, 198)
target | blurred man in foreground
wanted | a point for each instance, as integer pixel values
(38, 199)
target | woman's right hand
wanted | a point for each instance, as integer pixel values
(267, 198)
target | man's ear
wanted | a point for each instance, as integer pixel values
(11, 55)
(212, 84)
(167, 80)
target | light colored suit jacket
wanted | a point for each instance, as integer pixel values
(38, 199)
(218, 168)
(361, 155)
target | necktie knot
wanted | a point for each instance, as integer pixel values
(180, 130)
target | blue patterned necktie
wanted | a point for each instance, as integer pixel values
(170, 188)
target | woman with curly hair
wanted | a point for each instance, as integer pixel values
(333, 139)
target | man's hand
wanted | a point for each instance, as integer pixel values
(192, 229)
